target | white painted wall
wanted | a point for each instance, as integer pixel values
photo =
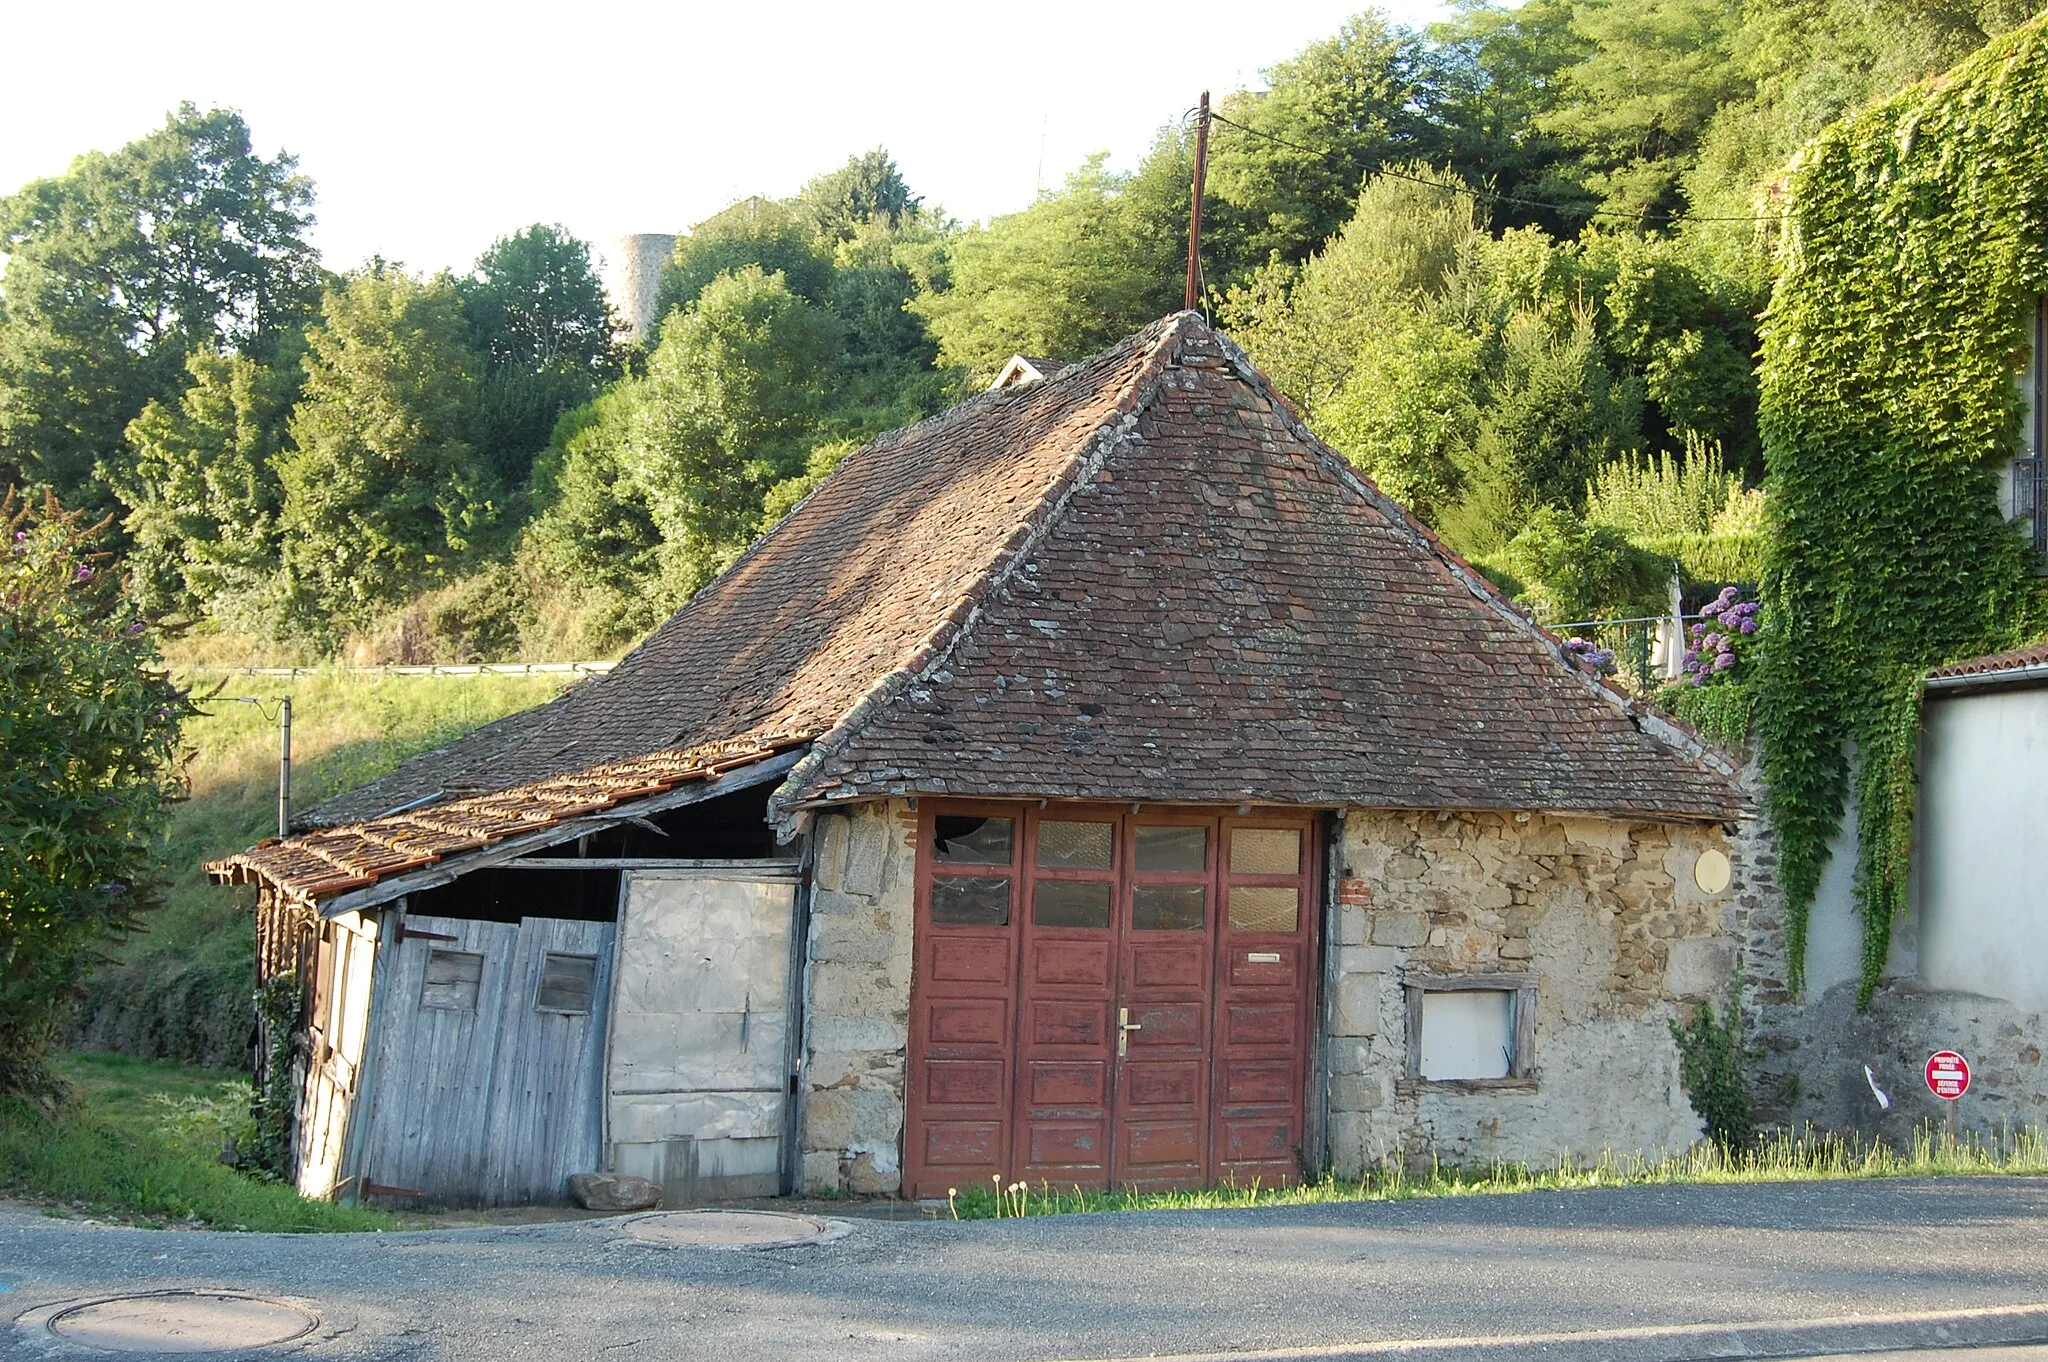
(1983, 839)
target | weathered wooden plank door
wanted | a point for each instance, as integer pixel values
(485, 1089)
(546, 1083)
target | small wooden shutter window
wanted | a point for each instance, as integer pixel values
(453, 978)
(566, 983)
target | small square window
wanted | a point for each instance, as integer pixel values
(970, 901)
(1469, 1033)
(1074, 846)
(1070, 903)
(453, 979)
(1183, 851)
(1264, 907)
(566, 983)
(958, 840)
(1265, 851)
(1169, 907)
(1476, 1029)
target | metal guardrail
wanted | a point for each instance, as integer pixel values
(424, 669)
(1634, 643)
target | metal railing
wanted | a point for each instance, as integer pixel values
(420, 669)
(1645, 655)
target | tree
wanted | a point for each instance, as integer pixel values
(204, 489)
(1063, 278)
(731, 401)
(1339, 110)
(595, 533)
(867, 189)
(123, 266)
(539, 322)
(87, 772)
(383, 492)
(773, 237)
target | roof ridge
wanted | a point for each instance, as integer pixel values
(1675, 733)
(939, 643)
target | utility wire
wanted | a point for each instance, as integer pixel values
(1490, 196)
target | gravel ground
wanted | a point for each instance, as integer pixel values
(1641, 1273)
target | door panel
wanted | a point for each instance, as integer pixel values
(1141, 1019)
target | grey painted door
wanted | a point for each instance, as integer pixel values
(489, 1059)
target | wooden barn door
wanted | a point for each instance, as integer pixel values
(1107, 999)
(489, 1056)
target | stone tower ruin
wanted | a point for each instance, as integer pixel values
(632, 277)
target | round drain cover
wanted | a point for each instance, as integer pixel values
(729, 1229)
(182, 1322)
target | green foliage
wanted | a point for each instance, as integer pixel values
(1723, 711)
(1710, 1066)
(88, 747)
(1076, 270)
(1348, 104)
(204, 493)
(1916, 248)
(1571, 571)
(181, 990)
(540, 325)
(731, 398)
(383, 494)
(1660, 497)
(867, 191)
(123, 266)
(773, 237)
(143, 1141)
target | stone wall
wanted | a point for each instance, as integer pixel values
(1606, 915)
(857, 998)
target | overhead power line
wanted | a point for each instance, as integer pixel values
(1489, 196)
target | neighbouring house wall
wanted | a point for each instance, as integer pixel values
(857, 991)
(1606, 915)
(1968, 966)
(697, 1065)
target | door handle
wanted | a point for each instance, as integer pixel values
(1124, 1027)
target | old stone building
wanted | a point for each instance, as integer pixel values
(1099, 782)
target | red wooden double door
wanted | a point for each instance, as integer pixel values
(1109, 999)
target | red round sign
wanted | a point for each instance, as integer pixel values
(1948, 1075)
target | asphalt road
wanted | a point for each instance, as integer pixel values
(1620, 1276)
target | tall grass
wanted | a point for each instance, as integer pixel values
(180, 989)
(142, 1141)
(1805, 1157)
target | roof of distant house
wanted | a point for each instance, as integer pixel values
(1140, 578)
(2017, 665)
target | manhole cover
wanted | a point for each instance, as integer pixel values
(732, 1229)
(182, 1322)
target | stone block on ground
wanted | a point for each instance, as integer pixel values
(613, 1192)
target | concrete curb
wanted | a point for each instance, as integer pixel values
(1849, 1334)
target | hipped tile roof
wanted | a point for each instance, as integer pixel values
(1141, 578)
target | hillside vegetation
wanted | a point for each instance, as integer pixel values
(180, 988)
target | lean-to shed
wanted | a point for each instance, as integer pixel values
(1100, 781)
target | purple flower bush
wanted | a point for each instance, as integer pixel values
(1591, 654)
(1716, 644)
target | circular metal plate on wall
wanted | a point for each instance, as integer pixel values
(1712, 871)
(180, 1322)
(737, 1229)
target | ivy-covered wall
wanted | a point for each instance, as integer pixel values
(1915, 247)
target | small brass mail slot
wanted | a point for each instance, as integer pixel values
(1262, 957)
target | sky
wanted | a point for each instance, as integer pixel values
(430, 129)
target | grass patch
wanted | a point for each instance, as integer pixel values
(179, 989)
(1782, 1158)
(140, 1140)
